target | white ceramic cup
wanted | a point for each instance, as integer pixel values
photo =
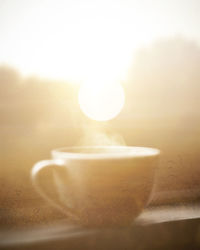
(99, 185)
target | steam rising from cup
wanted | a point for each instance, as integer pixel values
(100, 136)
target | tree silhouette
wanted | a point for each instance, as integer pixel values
(28, 101)
(165, 78)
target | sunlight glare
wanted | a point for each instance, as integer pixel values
(100, 100)
(80, 41)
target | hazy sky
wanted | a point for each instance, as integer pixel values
(76, 39)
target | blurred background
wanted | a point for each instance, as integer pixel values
(49, 49)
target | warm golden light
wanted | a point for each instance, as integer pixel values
(72, 40)
(101, 101)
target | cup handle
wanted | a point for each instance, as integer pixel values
(35, 180)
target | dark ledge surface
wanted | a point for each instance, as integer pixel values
(174, 226)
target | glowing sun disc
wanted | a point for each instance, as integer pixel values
(101, 102)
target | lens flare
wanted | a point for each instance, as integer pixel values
(101, 101)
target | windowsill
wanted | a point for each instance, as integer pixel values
(175, 196)
(165, 220)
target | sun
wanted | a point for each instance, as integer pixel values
(100, 100)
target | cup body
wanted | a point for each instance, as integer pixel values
(106, 186)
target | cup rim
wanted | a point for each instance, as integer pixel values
(133, 152)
